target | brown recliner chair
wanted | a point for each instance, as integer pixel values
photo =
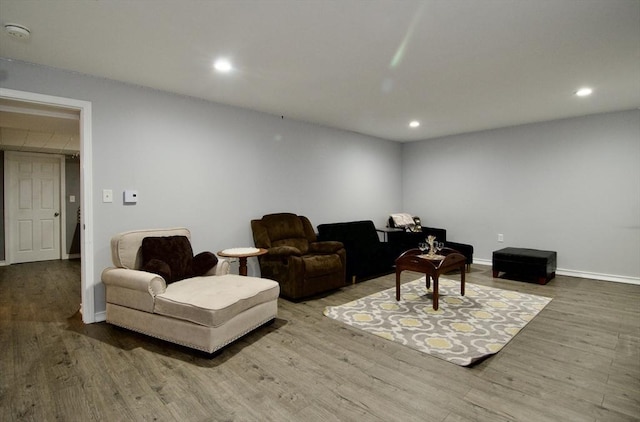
(296, 259)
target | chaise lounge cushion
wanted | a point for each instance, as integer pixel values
(174, 250)
(203, 262)
(211, 304)
(159, 267)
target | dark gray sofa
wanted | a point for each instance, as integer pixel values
(367, 256)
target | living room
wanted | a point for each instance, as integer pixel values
(569, 185)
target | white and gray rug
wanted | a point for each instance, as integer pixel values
(464, 330)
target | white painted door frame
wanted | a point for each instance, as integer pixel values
(86, 182)
(10, 179)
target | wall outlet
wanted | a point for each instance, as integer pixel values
(500, 237)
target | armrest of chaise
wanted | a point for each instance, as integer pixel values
(223, 267)
(134, 280)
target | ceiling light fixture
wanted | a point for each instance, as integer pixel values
(414, 123)
(17, 31)
(223, 65)
(584, 92)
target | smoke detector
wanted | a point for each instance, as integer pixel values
(17, 31)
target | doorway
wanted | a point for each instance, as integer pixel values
(86, 223)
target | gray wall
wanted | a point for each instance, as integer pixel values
(572, 186)
(213, 168)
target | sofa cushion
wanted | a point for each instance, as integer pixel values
(203, 262)
(159, 267)
(174, 250)
(214, 300)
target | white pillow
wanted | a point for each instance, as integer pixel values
(402, 220)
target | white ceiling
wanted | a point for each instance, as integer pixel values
(38, 128)
(368, 66)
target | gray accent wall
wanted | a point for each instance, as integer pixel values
(571, 185)
(213, 168)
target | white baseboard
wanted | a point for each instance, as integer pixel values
(100, 316)
(64, 257)
(482, 261)
(581, 274)
(599, 276)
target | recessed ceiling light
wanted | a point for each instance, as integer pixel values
(584, 92)
(222, 65)
(414, 123)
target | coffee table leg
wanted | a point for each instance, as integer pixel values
(435, 293)
(398, 285)
(462, 281)
(243, 266)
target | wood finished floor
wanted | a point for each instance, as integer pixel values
(578, 360)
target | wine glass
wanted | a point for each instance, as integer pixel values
(423, 246)
(439, 246)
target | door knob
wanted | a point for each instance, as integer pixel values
(56, 214)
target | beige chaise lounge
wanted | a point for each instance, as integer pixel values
(203, 312)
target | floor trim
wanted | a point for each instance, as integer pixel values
(581, 274)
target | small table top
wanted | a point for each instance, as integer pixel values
(389, 229)
(417, 261)
(242, 252)
(434, 257)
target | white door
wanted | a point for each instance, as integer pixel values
(33, 194)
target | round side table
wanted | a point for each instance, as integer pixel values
(242, 254)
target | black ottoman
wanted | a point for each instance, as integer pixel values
(534, 263)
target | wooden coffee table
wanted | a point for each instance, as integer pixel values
(415, 260)
(242, 254)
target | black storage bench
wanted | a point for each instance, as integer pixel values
(534, 263)
(402, 241)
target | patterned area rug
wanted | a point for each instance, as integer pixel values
(464, 330)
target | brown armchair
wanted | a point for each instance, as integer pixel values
(296, 259)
